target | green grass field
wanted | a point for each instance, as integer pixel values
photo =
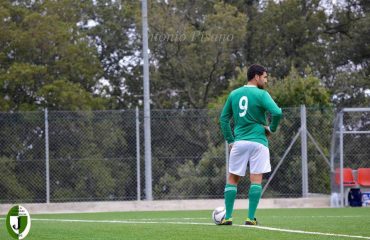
(347, 223)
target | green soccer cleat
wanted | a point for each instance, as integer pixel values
(251, 222)
(227, 222)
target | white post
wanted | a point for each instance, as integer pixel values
(47, 157)
(147, 129)
(138, 154)
(341, 158)
(304, 151)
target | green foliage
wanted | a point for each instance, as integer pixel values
(95, 178)
(292, 91)
(295, 90)
(117, 39)
(349, 53)
(21, 83)
(196, 48)
(10, 186)
(61, 95)
(287, 33)
(193, 51)
(42, 50)
(207, 177)
(349, 89)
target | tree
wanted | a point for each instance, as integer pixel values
(39, 49)
(90, 155)
(295, 90)
(10, 187)
(349, 54)
(195, 180)
(292, 91)
(287, 33)
(192, 48)
(61, 95)
(21, 153)
(116, 37)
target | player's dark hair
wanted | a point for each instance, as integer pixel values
(255, 69)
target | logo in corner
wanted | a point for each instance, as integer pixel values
(18, 222)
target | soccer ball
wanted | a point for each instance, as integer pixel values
(218, 215)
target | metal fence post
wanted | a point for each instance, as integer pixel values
(304, 151)
(341, 158)
(147, 128)
(138, 153)
(47, 178)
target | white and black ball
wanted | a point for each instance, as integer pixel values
(218, 215)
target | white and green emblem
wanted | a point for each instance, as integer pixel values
(18, 222)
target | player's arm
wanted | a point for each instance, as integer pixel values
(225, 117)
(276, 113)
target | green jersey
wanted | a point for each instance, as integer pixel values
(248, 106)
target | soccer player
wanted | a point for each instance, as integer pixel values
(247, 106)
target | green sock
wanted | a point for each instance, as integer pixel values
(230, 195)
(255, 192)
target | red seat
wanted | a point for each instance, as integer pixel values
(348, 179)
(363, 177)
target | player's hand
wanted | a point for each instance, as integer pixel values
(267, 131)
(230, 146)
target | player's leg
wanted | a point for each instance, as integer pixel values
(254, 195)
(237, 166)
(259, 164)
(230, 195)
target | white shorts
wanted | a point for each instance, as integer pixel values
(242, 152)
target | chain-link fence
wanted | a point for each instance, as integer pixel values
(350, 151)
(22, 158)
(356, 137)
(92, 156)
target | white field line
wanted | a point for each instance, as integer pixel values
(164, 219)
(354, 216)
(305, 232)
(171, 219)
(194, 223)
